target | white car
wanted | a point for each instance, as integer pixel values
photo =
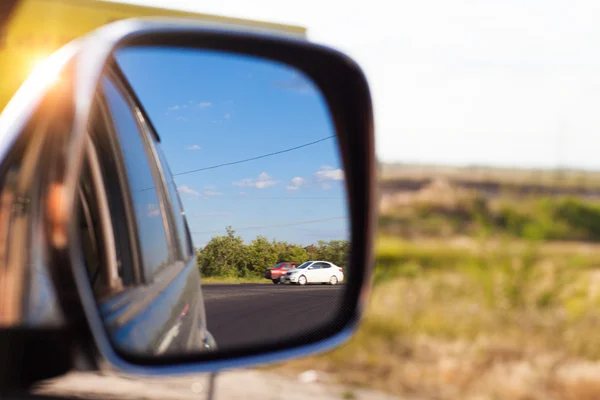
(314, 272)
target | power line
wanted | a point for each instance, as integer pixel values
(279, 198)
(273, 226)
(255, 158)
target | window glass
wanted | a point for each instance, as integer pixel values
(150, 222)
(89, 230)
(178, 213)
(99, 135)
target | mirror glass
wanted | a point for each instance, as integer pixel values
(224, 183)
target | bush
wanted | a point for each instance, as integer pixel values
(228, 255)
(539, 219)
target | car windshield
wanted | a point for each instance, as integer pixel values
(306, 264)
(279, 264)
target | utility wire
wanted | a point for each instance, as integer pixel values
(278, 198)
(273, 226)
(255, 158)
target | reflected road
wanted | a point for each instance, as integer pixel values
(251, 314)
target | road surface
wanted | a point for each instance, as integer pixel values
(251, 314)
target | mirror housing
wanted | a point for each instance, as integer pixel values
(74, 73)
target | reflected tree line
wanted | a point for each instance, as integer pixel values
(229, 256)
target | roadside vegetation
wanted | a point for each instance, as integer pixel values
(227, 259)
(479, 297)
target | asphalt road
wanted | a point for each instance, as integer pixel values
(251, 314)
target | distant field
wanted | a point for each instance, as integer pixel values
(487, 286)
(403, 175)
(233, 280)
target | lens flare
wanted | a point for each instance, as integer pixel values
(40, 68)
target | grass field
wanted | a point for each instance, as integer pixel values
(554, 178)
(209, 280)
(479, 298)
(503, 320)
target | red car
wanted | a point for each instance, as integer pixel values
(280, 269)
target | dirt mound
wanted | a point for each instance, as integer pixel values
(439, 193)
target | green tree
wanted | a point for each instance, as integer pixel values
(335, 251)
(312, 251)
(229, 256)
(294, 252)
(223, 256)
(262, 254)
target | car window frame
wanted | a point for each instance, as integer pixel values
(118, 189)
(153, 137)
(174, 252)
(175, 205)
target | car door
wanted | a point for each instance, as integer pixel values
(326, 272)
(159, 308)
(314, 273)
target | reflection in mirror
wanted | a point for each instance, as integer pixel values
(246, 146)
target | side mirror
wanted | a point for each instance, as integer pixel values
(124, 258)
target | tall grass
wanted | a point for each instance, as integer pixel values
(477, 304)
(546, 218)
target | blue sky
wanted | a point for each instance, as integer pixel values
(212, 108)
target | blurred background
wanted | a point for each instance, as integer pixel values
(487, 281)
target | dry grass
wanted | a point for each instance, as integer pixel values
(211, 280)
(477, 320)
(518, 176)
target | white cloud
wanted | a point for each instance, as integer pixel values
(243, 182)
(181, 119)
(194, 147)
(189, 191)
(264, 184)
(227, 116)
(295, 183)
(209, 191)
(210, 187)
(327, 173)
(189, 104)
(298, 181)
(263, 181)
(153, 210)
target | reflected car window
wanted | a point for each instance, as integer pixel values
(150, 222)
(178, 214)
